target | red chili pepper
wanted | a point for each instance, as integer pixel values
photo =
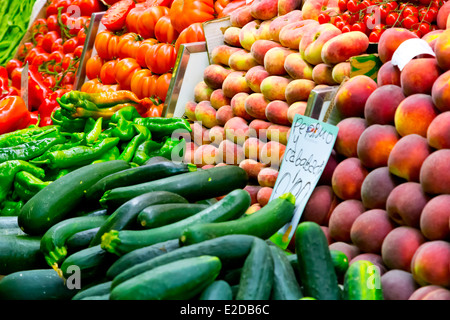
(47, 107)
(13, 114)
(34, 118)
(37, 90)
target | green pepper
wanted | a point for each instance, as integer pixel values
(76, 112)
(164, 126)
(30, 181)
(24, 135)
(68, 124)
(104, 99)
(8, 171)
(112, 154)
(144, 130)
(168, 148)
(11, 208)
(95, 132)
(89, 125)
(124, 129)
(130, 150)
(77, 156)
(128, 113)
(144, 149)
(22, 192)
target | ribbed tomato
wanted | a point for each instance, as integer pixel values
(124, 71)
(133, 17)
(128, 45)
(148, 19)
(93, 66)
(162, 85)
(183, 13)
(106, 44)
(143, 83)
(160, 58)
(164, 30)
(107, 72)
(193, 33)
(142, 50)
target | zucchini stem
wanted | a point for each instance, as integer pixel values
(110, 240)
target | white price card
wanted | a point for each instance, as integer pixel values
(408, 50)
(307, 152)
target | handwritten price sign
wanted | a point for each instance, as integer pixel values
(307, 152)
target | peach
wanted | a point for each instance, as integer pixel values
(267, 177)
(264, 9)
(398, 285)
(378, 109)
(258, 128)
(312, 42)
(371, 257)
(277, 112)
(255, 105)
(326, 231)
(274, 87)
(215, 74)
(278, 133)
(249, 34)
(442, 50)
(350, 129)
(252, 167)
(298, 107)
(291, 34)
(419, 75)
(375, 145)
(283, 19)
(328, 171)
(237, 104)
(255, 76)
(438, 136)
(434, 218)
(320, 205)
(430, 292)
(242, 61)
(414, 114)
(344, 46)
(369, 230)
(407, 156)
(252, 148)
(271, 153)
(347, 179)
(388, 74)
(263, 195)
(260, 47)
(298, 90)
(230, 153)
(263, 30)
(206, 114)
(297, 68)
(231, 36)
(218, 99)
(322, 74)
(202, 92)
(198, 133)
(274, 60)
(341, 71)
(253, 208)
(237, 130)
(189, 153)
(189, 110)
(390, 40)
(252, 191)
(235, 82)
(223, 114)
(376, 188)
(429, 265)
(399, 246)
(221, 54)
(443, 13)
(240, 17)
(205, 155)
(286, 6)
(440, 92)
(342, 218)
(431, 37)
(217, 135)
(351, 98)
(434, 177)
(349, 249)
(312, 8)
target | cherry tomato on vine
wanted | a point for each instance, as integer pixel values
(116, 15)
(342, 4)
(424, 28)
(11, 65)
(393, 18)
(374, 36)
(67, 60)
(323, 18)
(352, 6)
(70, 45)
(49, 39)
(50, 81)
(428, 15)
(81, 36)
(410, 22)
(346, 28)
(58, 57)
(359, 26)
(52, 23)
(57, 45)
(88, 7)
(23, 50)
(410, 10)
(78, 51)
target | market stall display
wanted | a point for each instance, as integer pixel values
(99, 188)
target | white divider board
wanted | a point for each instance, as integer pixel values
(307, 152)
(214, 33)
(191, 62)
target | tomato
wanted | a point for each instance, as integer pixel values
(39, 27)
(148, 19)
(90, 85)
(160, 58)
(392, 19)
(164, 30)
(57, 57)
(69, 45)
(133, 17)
(93, 67)
(52, 23)
(166, 3)
(410, 10)
(50, 81)
(342, 4)
(23, 50)
(183, 13)
(128, 45)
(374, 36)
(154, 111)
(409, 22)
(124, 71)
(88, 7)
(68, 78)
(78, 51)
(346, 28)
(424, 28)
(359, 26)
(75, 24)
(67, 61)
(193, 33)
(40, 58)
(352, 6)
(107, 75)
(81, 36)
(392, 5)
(49, 39)
(116, 15)
(143, 83)
(142, 50)
(323, 18)
(162, 85)
(428, 15)
(33, 53)
(11, 65)
(106, 44)
(57, 45)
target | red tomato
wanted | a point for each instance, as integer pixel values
(116, 15)
(164, 30)
(107, 75)
(424, 28)
(323, 18)
(23, 50)
(133, 17)
(374, 36)
(88, 7)
(342, 4)
(162, 85)
(67, 61)
(106, 44)
(128, 45)
(410, 10)
(142, 51)
(410, 21)
(359, 26)
(346, 28)
(40, 58)
(148, 19)
(78, 51)
(193, 33)
(57, 57)
(160, 58)
(57, 45)
(124, 71)
(393, 19)
(11, 65)
(52, 23)
(93, 67)
(143, 83)
(81, 36)
(69, 45)
(352, 6)
(50, 81)
(49, 39)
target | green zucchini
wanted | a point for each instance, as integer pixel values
(53, 242)
(362, 282)
(194, 186)
(96, 290)
(285, 284)
(218, 290)
(99, 297)
(179, 280)
(8, 222)
(156, 159)
(233, 205)
(232, 276)
(57, 200)
(231, 250)
(125, 216)
(263, 223)
(37, 284)
(95, 212)
(162, 214)
(140, 255)
(81, 240)
(12, 231)
(316, 267)
(136, 175)
(257, 273)
(20, 252)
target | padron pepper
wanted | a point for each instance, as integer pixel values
(25, 135)
(75, 112)
(172, 149)
(95, 132)
(144, 150)
(112, 154)
(11, 208)
(68, 124)
(165, 126)
(27, 185)
(130, 150)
